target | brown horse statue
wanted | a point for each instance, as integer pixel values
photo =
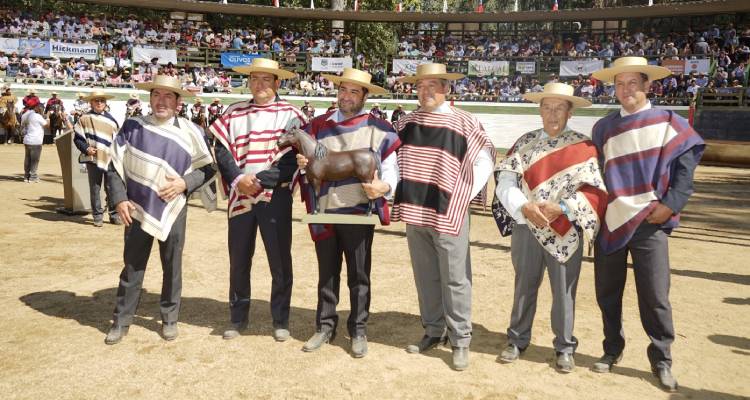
(328, 165)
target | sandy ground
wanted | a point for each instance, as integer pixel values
(59, 276)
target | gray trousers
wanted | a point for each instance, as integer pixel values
(442, 274)
(274, 220)
(137, 250)
(650, 253)
(32, 154)
(96, 179)
(529, 261)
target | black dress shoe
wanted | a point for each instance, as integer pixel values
(565, 362)
(115, 334)
(427, 343)
(605, 363)
(666, 380)
(511, 353)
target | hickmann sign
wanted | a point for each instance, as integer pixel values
(89, 51)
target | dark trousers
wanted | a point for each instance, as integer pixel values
(96, 179)
(353, 242)
(32, 154)
(137, 250)
(274, 219)
(650, 253)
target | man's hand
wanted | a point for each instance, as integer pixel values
(249, 184)
(174, 187)
(376, 188)
(124, 208)
(534, 215)
(91, 151)
(660, 214)
(301, 161)
(550, 210)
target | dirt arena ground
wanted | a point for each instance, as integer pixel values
(59, 276)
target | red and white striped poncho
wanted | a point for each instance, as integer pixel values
(251, 133)
(436, 164)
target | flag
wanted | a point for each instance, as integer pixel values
(554, 6)
(356, 5)
(276, 3)
(399, 7)
(312, 4)
(445, 6)
(480, 7)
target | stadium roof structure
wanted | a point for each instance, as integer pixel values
(608, 13)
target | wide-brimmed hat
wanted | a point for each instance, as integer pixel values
(357, 77)
(31, 91)
(4, 88)
(80, 95)
(631, 64)
(265, 65)
(217, 99)
(98, 94)
(558, 90)
(431, 71)
(198, 100)
(134, 95)
(166, 82)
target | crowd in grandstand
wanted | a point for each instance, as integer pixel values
(727, 46)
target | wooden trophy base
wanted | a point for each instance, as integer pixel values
(352, 219)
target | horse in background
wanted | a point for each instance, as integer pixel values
(56, 121)
(9, 121)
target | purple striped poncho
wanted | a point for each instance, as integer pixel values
(637, 152)
(144, 154)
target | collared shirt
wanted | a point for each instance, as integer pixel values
(389, 166)
(624, 113)
(482, 167)
(509, 192)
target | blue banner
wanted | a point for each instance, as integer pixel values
(235, 59)
(35, 47)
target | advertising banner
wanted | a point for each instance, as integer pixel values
(698, 66)
(231, 59)
(35, 47)
(487, 68)
(165, 56)
(8, 45)
(526, 67)
(331, 64)
(408, 67)
(580, 67)
(676, 66)
(88, 51)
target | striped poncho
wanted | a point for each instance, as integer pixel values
(637, 153)
(435, 161)
(97, 131)
(251, 133)
(347, 196)
(144, 154)
(564, 169)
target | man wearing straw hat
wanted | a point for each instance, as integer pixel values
(80, 106)
(157, 162)
(350, 127)
(551, 187)
(648, 157)
(93, 138)
(445, 161)
(257, 174)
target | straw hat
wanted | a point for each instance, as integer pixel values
(5, 88)
(134, 95)
(80, 95)
(431, 71)
(31, 91)
(631, 64)
(98, 94)
(198, 100)
(558, 90)
(166, 82)
(357, 77)
(216, 99)
(265, 65)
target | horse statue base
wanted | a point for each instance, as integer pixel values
(352, 219)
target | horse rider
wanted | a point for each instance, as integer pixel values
(8, 117)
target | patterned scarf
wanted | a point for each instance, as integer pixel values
(98, 131)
